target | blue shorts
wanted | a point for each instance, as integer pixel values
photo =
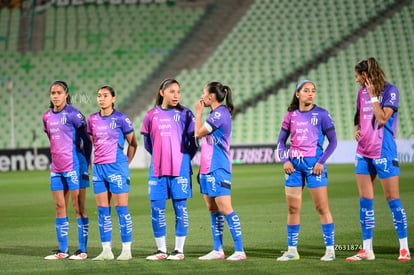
(303, 174)
(168, 187)
(83, 171)
(384, 167)
(111, 177)
(216, 183)
(64, 181)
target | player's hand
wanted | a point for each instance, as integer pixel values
(317, 169)
(370, 87)
(199, 105)
(288, 167)
(357, 134)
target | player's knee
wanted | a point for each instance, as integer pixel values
(293, 209)
(322, 210)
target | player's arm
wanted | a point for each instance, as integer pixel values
(45, 128)
(328, 129)
(382, 115)
(132, 146)
(192, 144)
(331, 135)
(282, 152)
(357, 129)
(87, 143)
(147, 142)
(199, 129)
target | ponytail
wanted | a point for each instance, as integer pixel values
(222, 92)
(374, 73)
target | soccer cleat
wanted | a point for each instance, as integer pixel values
(362, 255)
(329, 256)
(57, 255)
(404, 255)
(106, 254)
(237, 256)
(175, 256)
(159, 255)
(79, 255)
(213, 255)
(125, 255)
(289, 256)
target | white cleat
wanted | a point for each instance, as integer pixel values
(125, 255)
(57, 255)
(362, 255)
(288, 256)
(329, 256)
(175, 256)
(159, 255)
(213, 255)
(106, 254)
(237, 256)
(79, 255)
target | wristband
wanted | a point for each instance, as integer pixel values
(374, 99)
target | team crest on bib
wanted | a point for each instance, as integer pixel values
(112, 125)
(314, 120)
(177, 117)
(63, 120)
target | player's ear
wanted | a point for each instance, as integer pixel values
(364, 75)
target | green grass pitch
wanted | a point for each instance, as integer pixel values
(27, 229)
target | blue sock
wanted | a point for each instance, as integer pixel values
(62, 229)
(125, 223)
(105, 223)
(399, 218)
(217, 228)
(293, 234)
(181, 217)
(367, 217)
(328, 232)
(159, 224)
(83, 228)
(235, 229)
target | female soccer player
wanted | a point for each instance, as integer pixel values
(108, 130)
(375, 128)
(168, 131)
(216, 168)
(307, 124)
(70, 148)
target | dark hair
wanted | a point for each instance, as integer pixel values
(374, 73)
(164, 85)
(222, 92)
(294, 103)
(110, 89)
(64, 86)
